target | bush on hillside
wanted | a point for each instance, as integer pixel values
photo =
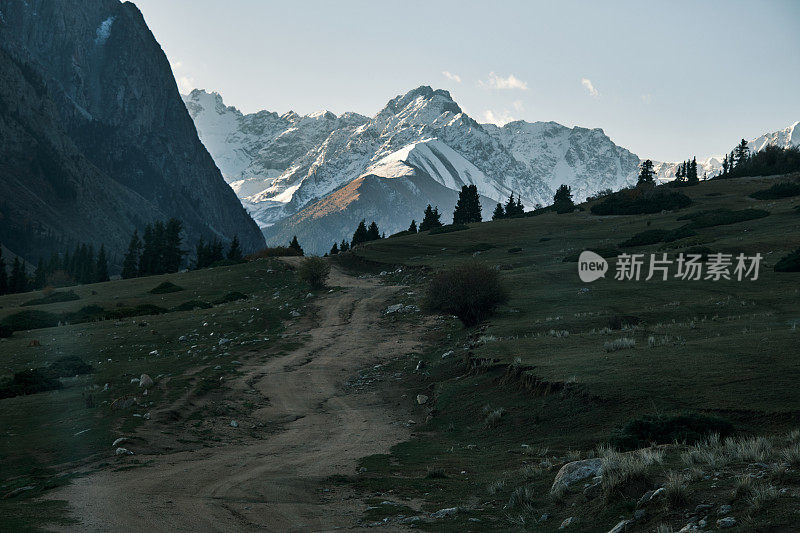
(53, 297)
(165, 288)
(641, 200)
(191, 305)
(28, 382)
(623, 321)
(471, 291)
(654, 236)
(448, 229)
(478, 247)
(314, 271)
(722, 217)
(786, 189)
(5, 332)
(789, 263)
(662, 429)
(233, 296)
(25, 320)
(68, 366)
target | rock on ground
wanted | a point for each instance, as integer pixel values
(146, 381)
(576, 471)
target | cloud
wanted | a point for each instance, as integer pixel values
(499, 82)
(586, 82)
(518, 105)
(500, 118)
(452, 77)
(185, 84)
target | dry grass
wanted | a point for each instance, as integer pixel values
(496, 486)
(677, 493)
(791, 454)
(761, 495)
(623, 343)
(493, 416)
(623, 471)
(522, 499)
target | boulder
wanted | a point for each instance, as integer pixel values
(724, 523)
(146, 381)
(121, 440)
(621, 526)
(123, 402)
(422, 399)
(394, 308)
(123, 451)
(443, 513)
(574, 472)
(567, 522)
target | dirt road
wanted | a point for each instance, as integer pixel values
(275, 483)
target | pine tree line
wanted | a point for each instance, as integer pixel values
(158, 251)
(512, 209)
(686, 174)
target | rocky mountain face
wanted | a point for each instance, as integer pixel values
(96, 139)
(418, 143)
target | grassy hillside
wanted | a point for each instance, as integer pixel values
(543, 384)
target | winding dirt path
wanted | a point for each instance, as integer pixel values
(276, 483)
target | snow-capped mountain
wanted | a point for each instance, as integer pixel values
(785, 138)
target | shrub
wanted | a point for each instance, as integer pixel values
(623, 321)
(191, 305)
(53, 297)
(722, 217)
(471, 291)
(401, 234)
(640, 201)
(68, 366)
(314, 271)
(165, 288)
(479, 247)
(233, 296)
(627, 473)
(435, 473)
(448, 229)
(28, 382)
(789, 263)
(602, 252)
(5, 332)
(785, 189)
(87, 313)
(25, 320)
(662, 429)
(493, 416)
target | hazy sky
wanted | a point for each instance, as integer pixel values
(665, 79)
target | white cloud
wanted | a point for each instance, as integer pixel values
(185, 84)
(499, 82)
(500, 118)
(586, 82)
(518, 105)
(452, 77)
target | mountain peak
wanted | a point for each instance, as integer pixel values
(438, 101)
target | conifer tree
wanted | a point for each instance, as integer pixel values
(101, 268)
(468, 206)
(731, 162)
(3, 274)
(344, 246)
(692, 177)
(40, 276)
(562, 201)
(498, 212)
(413, 227)
(334, 249)
(646, 174)
(294, 245)
(235, 251)
(725, 165)
(373, 234)
(130, 264)
(741, 151)
(171, 254)
(18, 282)
(360, 235)
(431, 219)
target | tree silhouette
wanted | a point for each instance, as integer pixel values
(130, 264)
(413, 227)
(498, 212)
(468, 207)
(431, 219)
(235, 251)
(562, 201)
(294, 245)
(646, 174)
(373, 234)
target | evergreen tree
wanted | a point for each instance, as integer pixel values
(147, 258)
(431, 219)
(373, 234)
(498, 212)
(294, 245)
(101, 268)
(513, 207)
(692, 177)
(360, 235)
(741, 151)
(468, 206)
(562, 201)
(725, 165)
(413, 227)
(680, 177)
(40, 276)
(171, 254)
(3, 274)
(130, 264)
(334, 249)
(731, 161)
(235, 251)
(646, 174)
(18, 281)
(344, 246)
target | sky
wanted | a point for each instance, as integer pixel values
(667, 80)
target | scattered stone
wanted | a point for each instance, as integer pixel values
(725, 509)
(443, 513)
(119, 441)
(447, 354)
(422, 399)
(154, 352)
(420, 366)
(576, 471)
(702, 508)
(621, 526)
(639, 514)
(726, 522)
(146, 381)
(393, 308)
(123, 451)
(18, 491)
(645, 499)
(658, 494)
(567, 521)
(123, 402)
(234, 424)
(294, 314)
(146, 415)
